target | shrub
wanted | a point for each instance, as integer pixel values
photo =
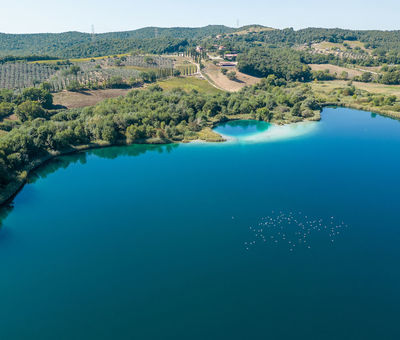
(29, 110)
(231, 75)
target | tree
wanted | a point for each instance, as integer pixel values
(134, 132)
(148, 60)
(6, 109)
(42, 96)
(116, 82)
(224, 71)
(344, 75)
(296, 110)
(148, 77)
(366, 77)
(74, 86)
(109, 133)
(74, 69)
(231, 75)
(29, 110)
(46, 86)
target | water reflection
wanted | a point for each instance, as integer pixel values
(63, 162)
(4, 212)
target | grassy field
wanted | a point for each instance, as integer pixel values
(137, 68)
(354, 44)
(340, 46)
(336, 69)
(73, 100)
(253, 29)
(88, 98)
(374, 88)
(188, 84)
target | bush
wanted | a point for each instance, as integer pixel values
(116, 83)
(44, 97)
(231, 75)
(322, 75)
(29, 110)
(75, 86)
(6, 109)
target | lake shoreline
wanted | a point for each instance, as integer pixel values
(207, 136)
(13, 189)
(390, 114)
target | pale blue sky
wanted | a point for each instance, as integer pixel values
(20, 16)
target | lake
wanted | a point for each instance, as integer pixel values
(283, 232)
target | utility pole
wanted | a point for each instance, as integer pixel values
(93, 35)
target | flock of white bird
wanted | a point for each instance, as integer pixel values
(293, 230)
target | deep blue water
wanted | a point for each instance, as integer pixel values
(178, 242)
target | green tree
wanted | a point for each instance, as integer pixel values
(29, 110)
(134, 132)
(36, 94)
(74, 69)
(6, 109)
(344, 75)
(296, 110)
(366, 77)
(231, 75)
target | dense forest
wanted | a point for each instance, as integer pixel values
(281, 62)
(384, 44)
(78, 45)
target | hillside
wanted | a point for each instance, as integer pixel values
(77, 44)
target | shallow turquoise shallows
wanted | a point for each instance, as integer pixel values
(283, 232)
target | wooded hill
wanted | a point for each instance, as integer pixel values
(78, 45)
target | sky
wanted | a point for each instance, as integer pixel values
(37, 16)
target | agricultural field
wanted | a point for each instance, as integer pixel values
(188, 84)
(187, 70)
(186, 66)
(76, 60)
(213, 74)
(91, 73)
(347, 49)
(148, 61)
(21, 75)
(337, 69)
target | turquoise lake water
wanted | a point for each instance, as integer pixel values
(283, 232)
